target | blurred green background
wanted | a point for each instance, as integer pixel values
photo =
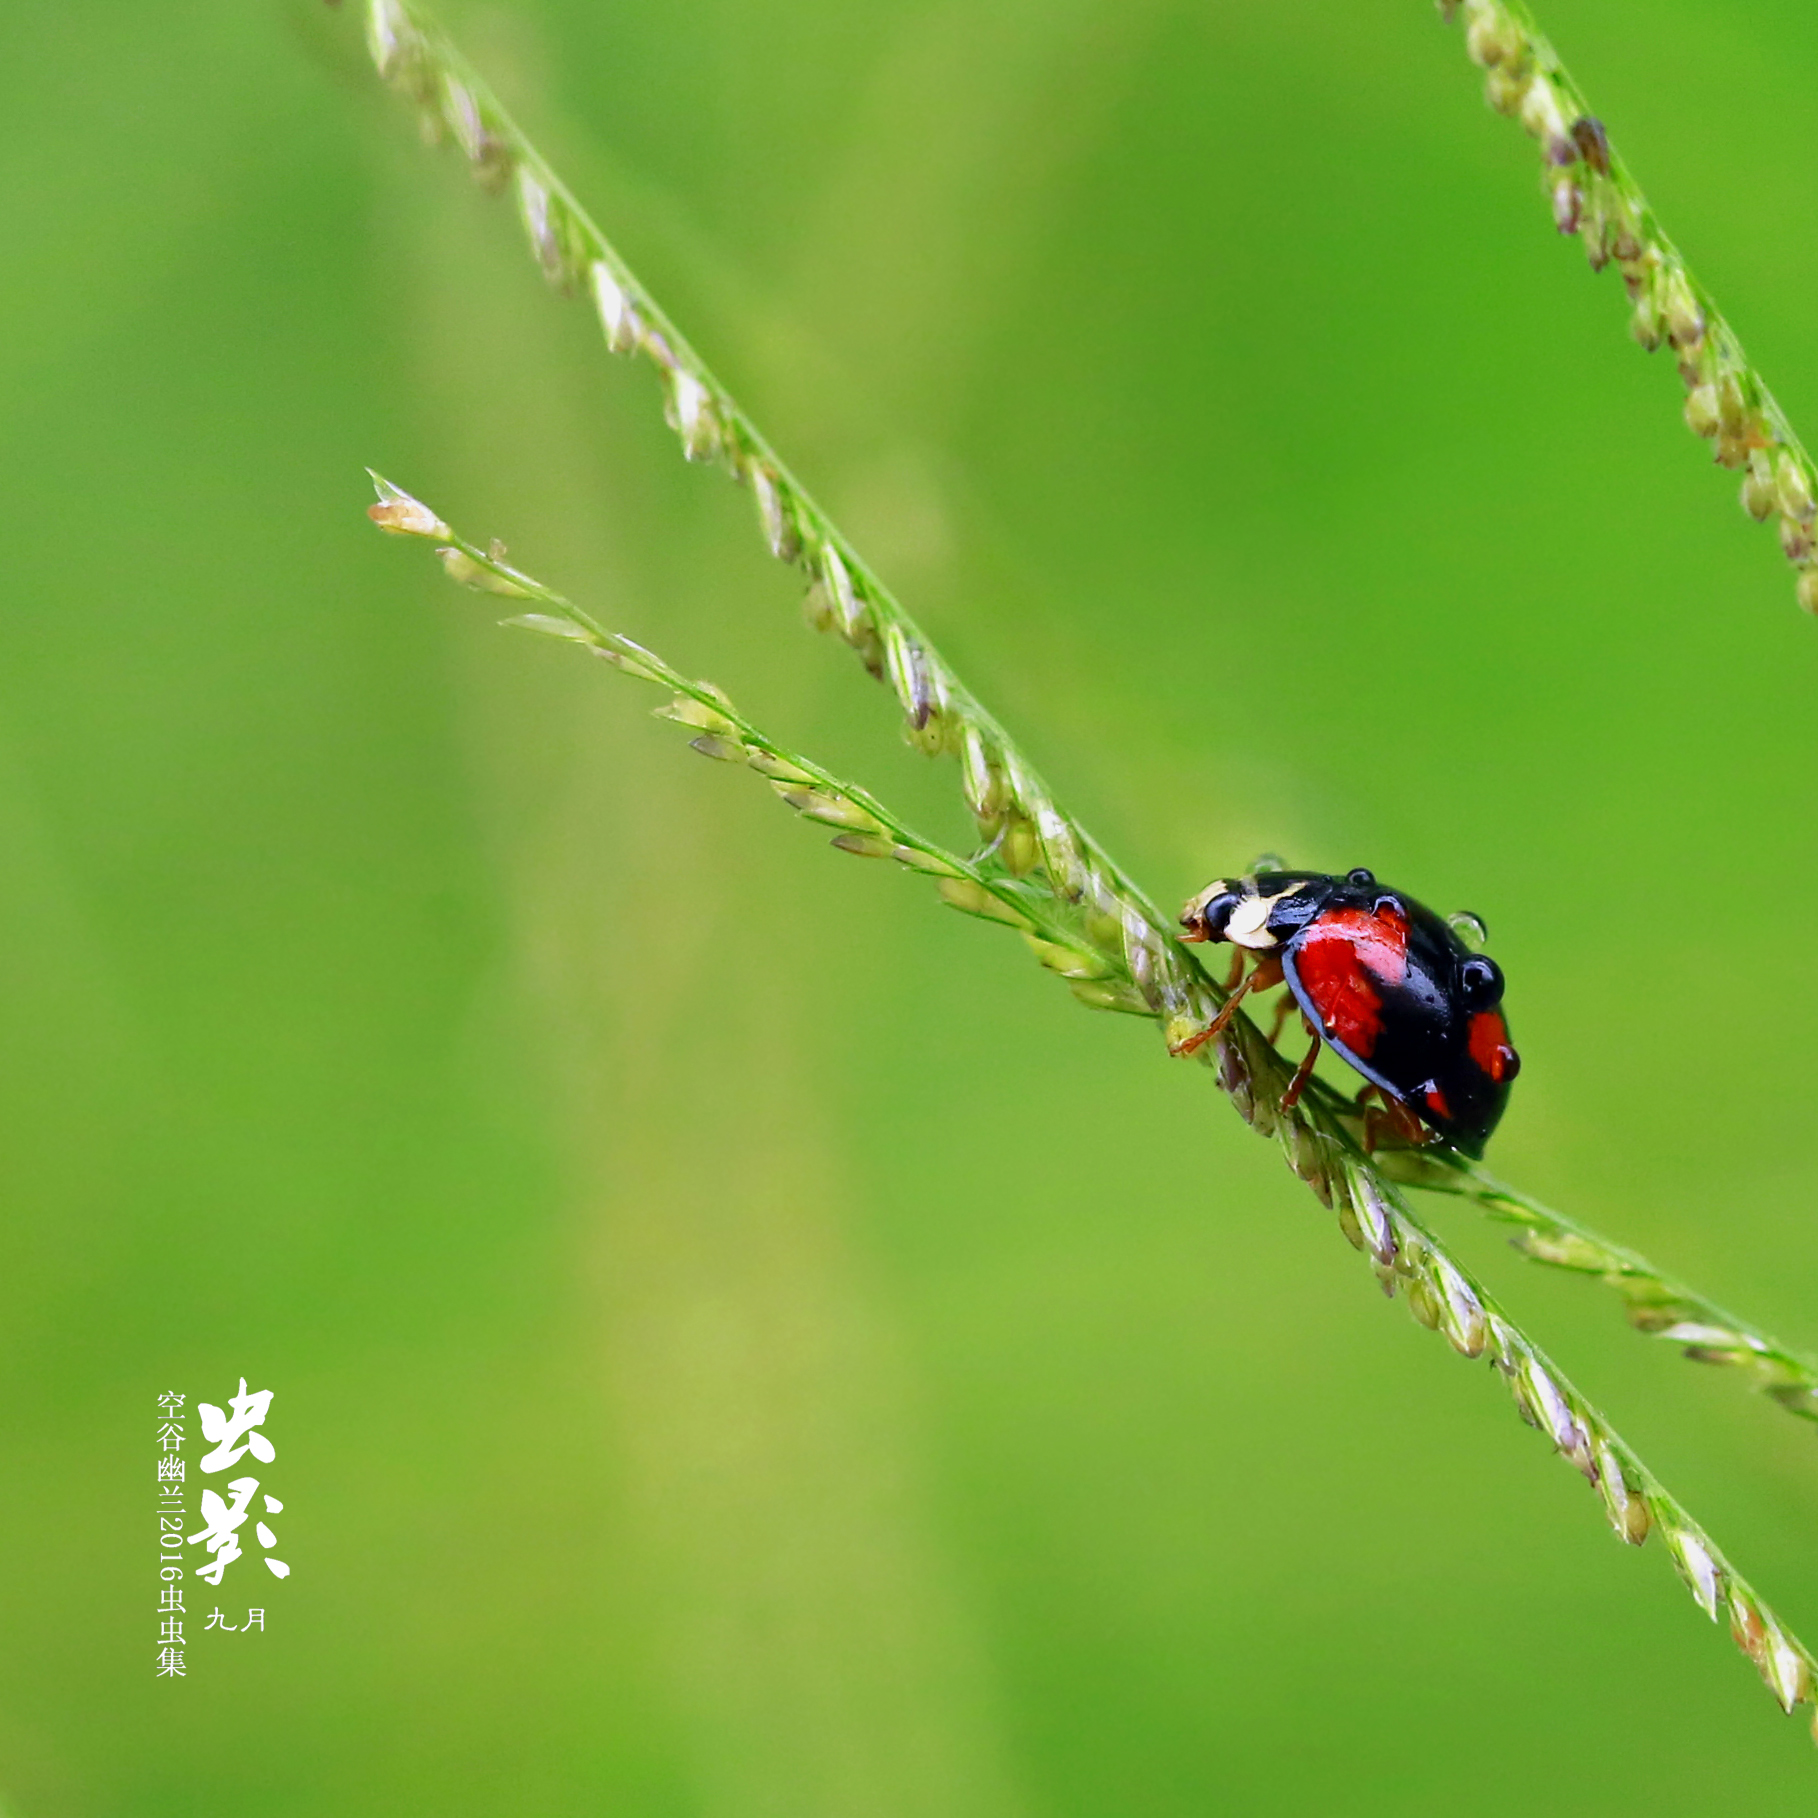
(744, 1342)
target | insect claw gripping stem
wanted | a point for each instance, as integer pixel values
(1041, 873)
(1214, 1029)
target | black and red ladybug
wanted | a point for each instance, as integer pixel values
(1388, 984)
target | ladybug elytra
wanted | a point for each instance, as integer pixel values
(1380, 978)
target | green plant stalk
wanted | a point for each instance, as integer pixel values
(1091, 904)
(868, 828)
(1656, 1303)
(1594, 196)
(1403, 1253)
(1015, 811)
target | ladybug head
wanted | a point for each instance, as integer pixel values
(1206, 916)
(1258, 912)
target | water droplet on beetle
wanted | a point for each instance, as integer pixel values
(1470, 929)
(1266, 861)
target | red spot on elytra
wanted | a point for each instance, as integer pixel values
(1340, 959)
(1436, 1103)
(1489, 1045)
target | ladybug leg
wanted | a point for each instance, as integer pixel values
(1216, 1027)
(1304, 1072)
(1236, 972)
(1282, 1012)
(1394, 1119)
(1268, 972)
(1408, 1126)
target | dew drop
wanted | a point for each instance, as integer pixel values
(1266, 861)
(1470, 929)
